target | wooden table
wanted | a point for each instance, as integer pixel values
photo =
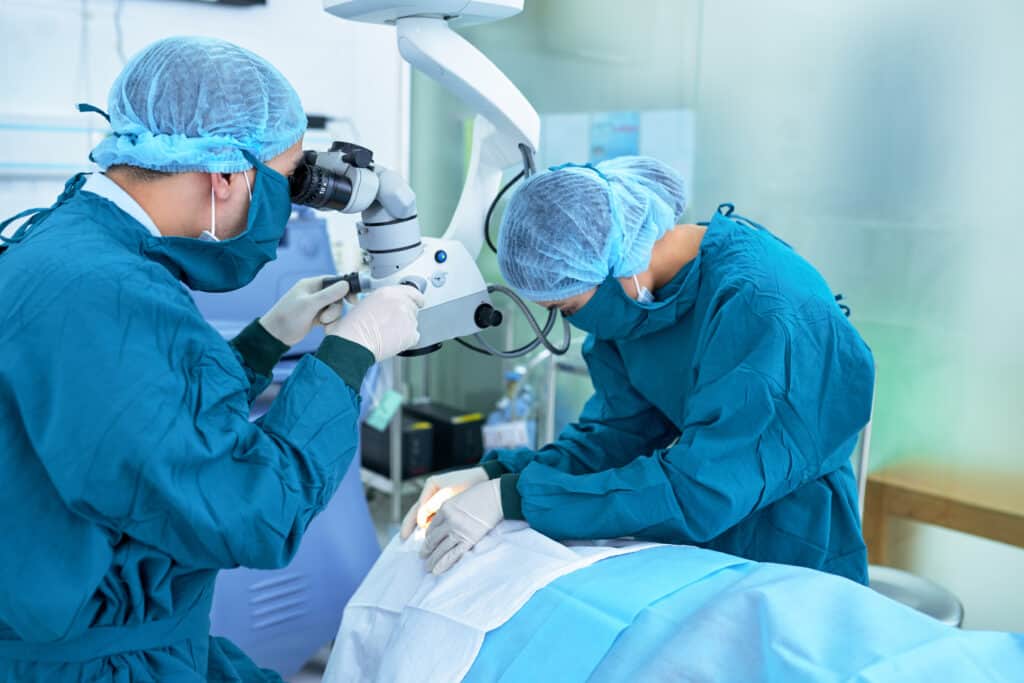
(983, 503)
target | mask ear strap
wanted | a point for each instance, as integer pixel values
(636, 283)
(213, 212)
(213, 198)
(251, 158)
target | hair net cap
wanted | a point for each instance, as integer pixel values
(193, 104)
(568, 229)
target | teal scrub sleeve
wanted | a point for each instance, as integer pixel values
(258, 351)
(616, 423)
(146, 431)
(351, 361)
(511, 500)
(744, 445)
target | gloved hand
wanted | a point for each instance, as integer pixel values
(385, 321)
(460, 524)
(459, 481)
(302, 307)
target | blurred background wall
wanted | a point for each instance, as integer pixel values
(883, 140)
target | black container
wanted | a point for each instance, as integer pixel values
(417, 448)
(458, 435)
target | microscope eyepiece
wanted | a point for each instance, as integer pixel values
(318, 187)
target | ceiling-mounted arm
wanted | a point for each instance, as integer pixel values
(432, 47)
(506, 134)
(506, 130)
(488, 158)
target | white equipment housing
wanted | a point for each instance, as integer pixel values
(459, 12)
(506, 133)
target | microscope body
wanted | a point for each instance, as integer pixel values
(345, 178)
(506, 133)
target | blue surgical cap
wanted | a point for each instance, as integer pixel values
(570, 228)
(193, 104)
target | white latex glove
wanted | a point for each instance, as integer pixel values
(458, 481)
(385, 321)
(303, 306)
(460, 524)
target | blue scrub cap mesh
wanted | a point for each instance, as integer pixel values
(193, 104)
(567, 230)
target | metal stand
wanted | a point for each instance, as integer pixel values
(394, 486)
(552, 366)
(395, 435)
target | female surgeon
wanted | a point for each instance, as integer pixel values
(130, 470)
(729, 387)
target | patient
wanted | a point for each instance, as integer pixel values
(521, 607)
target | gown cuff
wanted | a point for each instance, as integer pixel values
(511, 501)
(347, 358)
(259, 349)
(493, 468)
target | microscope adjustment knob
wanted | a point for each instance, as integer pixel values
(487, 316)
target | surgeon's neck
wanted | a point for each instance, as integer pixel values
(173, 203)
(672, 252)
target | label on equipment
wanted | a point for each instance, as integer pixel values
(506, 435)
(385, 410)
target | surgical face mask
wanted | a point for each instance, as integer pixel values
(211, 234)
(212, 265)
(611, 314)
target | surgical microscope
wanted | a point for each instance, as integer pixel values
(506, 134)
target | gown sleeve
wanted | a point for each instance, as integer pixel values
(778, 398)
(616, 423)
(146, 433)
(257, 351)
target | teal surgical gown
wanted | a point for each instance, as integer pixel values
(726, 419)
(130, 470)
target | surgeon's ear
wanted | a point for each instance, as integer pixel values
(221, 183)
